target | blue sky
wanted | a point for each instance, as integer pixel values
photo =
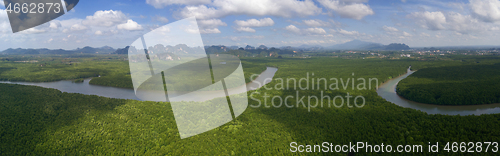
(273, 23)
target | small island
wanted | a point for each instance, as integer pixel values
(455, 85)
(78, 81)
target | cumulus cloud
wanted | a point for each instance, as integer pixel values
(107, 18)
(308, 31)
(449, 21)
(98, 32)
(293, 29)
(315, 31)
(162, 3)
(430, 20)
(316, 23)
(55, 24)
(245, 29)
(255, 23)
(78, 27)
(130, 25)
(4, 22)
(209, 26)
(221, 8)
(390, 29)
(487, 10)
(5, 27)
(33, 31)
(354, 9)
(210, 31)
(247, 25)
(211, 23)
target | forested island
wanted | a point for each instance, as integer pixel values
(454, 85)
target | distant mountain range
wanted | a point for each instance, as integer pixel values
(84, 50)
(357, 45)
(351, 45)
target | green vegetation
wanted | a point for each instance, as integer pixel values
(40, 121)
(78, 81)
(456, 85)
(47, 68)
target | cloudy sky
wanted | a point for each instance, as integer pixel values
(418, 23)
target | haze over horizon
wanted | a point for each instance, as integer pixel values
(422, 23)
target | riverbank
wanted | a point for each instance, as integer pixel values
(388, 92)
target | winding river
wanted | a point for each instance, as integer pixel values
(388, 92)
(123, 93)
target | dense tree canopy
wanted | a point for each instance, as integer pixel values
(40, 121)
(455, 85)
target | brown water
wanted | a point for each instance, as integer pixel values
(388, 92)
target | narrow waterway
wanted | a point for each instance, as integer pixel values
(388, 92)
(123, 93)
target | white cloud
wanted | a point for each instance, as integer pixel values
(161, 19)
(55, 24)
(347, 33)
(389, 29)
(308, 31)
(293, 29)
(245, 29)
(4, 22)
(405, 34)
(316, 23)
(246, 25)
(354, 9)
(430, 20)
(463, 23)
(315, 31)
(209, 26)
(450, 21)
(211, 23)
(5, 27)
(221, 8)
(78, 27)
(98, 32)
(2, 4)
(33, 31)
(162, 3)
(130, 25)
(255, 23)
(105, 18)
(487, 10)
(210, 31)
